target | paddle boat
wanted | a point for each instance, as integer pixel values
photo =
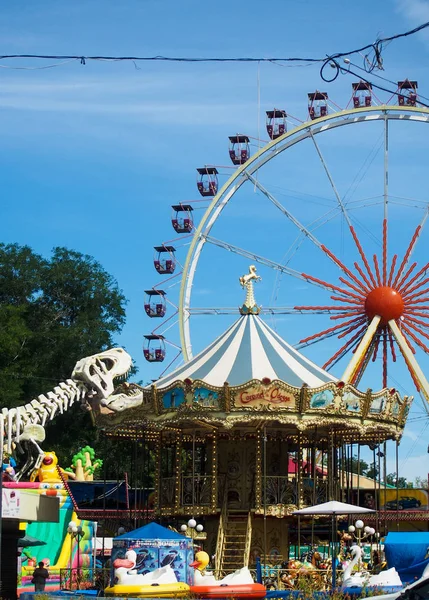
(239, 584)
(385, 579)
(160, 583)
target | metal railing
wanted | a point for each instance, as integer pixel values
(220, 542)
(280, 490)
(304, 580)
(197, 490)
(84, 578)
(248, 539)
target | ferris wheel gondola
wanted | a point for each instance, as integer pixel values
(164, 260)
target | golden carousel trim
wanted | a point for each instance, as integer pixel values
(334, 405)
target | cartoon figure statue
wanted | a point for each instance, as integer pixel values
(84, 465)
(48, 471)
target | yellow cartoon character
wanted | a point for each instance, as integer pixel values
(49, 470)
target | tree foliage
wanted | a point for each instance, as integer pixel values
(53, 312)
(402, 481)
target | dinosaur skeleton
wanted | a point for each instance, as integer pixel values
(92, 379)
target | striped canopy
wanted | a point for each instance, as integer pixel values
(248, 350)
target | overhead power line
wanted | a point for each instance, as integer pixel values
(375, 47)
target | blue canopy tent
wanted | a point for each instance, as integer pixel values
(408, 552)
(153, 531)
(156, 547)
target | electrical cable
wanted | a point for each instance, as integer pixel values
(339, 69)
(376, 47)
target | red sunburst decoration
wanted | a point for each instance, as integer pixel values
(390, 293)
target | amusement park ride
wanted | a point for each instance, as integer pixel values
(250, 430)
(380, 304)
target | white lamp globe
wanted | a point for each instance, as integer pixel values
(71, 525)
(367, 529)
(192, 523)
(359, 524)
(74, 528)
(352, 528)
(199, 528)
(371, 531)
(183, 527)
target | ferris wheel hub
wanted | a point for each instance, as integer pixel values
(385, 302)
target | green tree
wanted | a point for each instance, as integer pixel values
(358, 466)
(402, 482)
(372, 471)
(52, 313)
(419, 482)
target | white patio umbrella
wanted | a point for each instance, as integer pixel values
(334, 509)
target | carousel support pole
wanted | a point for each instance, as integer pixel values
(265, 499)
(300, 472)
(397, 484)
(157, 482)
(178, 471)
(258, 482)
(374, 462)
(214, 472)
(348, 471)
(385, 484)
(314, 473)
(334, 557)
(330, 451)
(135, 483)
(351, 481)
(193, 475)
(300, 487)
(358, 476)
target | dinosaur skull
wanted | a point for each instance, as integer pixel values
(126, 396)
(100, 370)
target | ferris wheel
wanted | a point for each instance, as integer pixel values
(332, 211)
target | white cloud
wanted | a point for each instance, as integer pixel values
(410, 434)
(416, 11)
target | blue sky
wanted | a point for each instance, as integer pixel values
(93, 156)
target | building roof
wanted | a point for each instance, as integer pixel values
(248, 350)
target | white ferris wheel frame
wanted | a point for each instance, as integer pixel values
(254, 163)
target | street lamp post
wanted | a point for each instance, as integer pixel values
(193, 526)
(76, 533)
(361, 532)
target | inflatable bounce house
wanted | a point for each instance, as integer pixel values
(60, 551)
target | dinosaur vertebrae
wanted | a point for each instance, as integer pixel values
(13, 421)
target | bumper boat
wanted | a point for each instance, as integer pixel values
(239, 584)
(160, 583)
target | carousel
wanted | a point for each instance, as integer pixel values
(247, 432)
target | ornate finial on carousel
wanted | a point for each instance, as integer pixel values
(246, 281)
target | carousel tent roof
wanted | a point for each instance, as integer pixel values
(248, 350)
